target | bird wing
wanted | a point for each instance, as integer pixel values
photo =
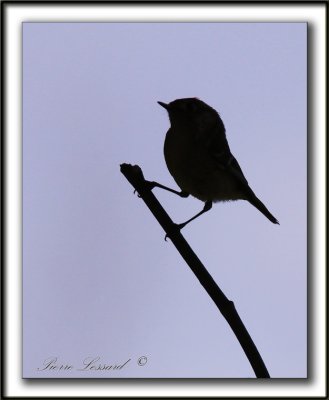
(234, 168)
(218, 149)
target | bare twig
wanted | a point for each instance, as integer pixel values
(135, 176)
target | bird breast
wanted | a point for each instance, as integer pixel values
(194, 171)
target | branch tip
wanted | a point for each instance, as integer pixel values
(134, 171)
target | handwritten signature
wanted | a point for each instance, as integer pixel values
(88, 364)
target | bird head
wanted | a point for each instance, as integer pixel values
(190, 111)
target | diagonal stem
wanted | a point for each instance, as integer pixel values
(135, 176)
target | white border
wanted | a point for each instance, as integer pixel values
(16, 14)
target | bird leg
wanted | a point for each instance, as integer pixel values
(207, 207)
(153, 184)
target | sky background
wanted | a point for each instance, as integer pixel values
(98, 278)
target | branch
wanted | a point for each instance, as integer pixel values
(135, 177)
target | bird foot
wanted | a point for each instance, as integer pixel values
(175, 228)
(149, 185)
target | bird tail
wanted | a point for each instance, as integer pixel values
(261, 207)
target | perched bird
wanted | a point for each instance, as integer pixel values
(198, 157)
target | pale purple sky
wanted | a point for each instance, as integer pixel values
(99, 280)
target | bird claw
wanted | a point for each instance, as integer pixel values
(150, 185)
(180, 226)
(175, 227)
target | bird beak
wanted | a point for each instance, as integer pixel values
(164, 105)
